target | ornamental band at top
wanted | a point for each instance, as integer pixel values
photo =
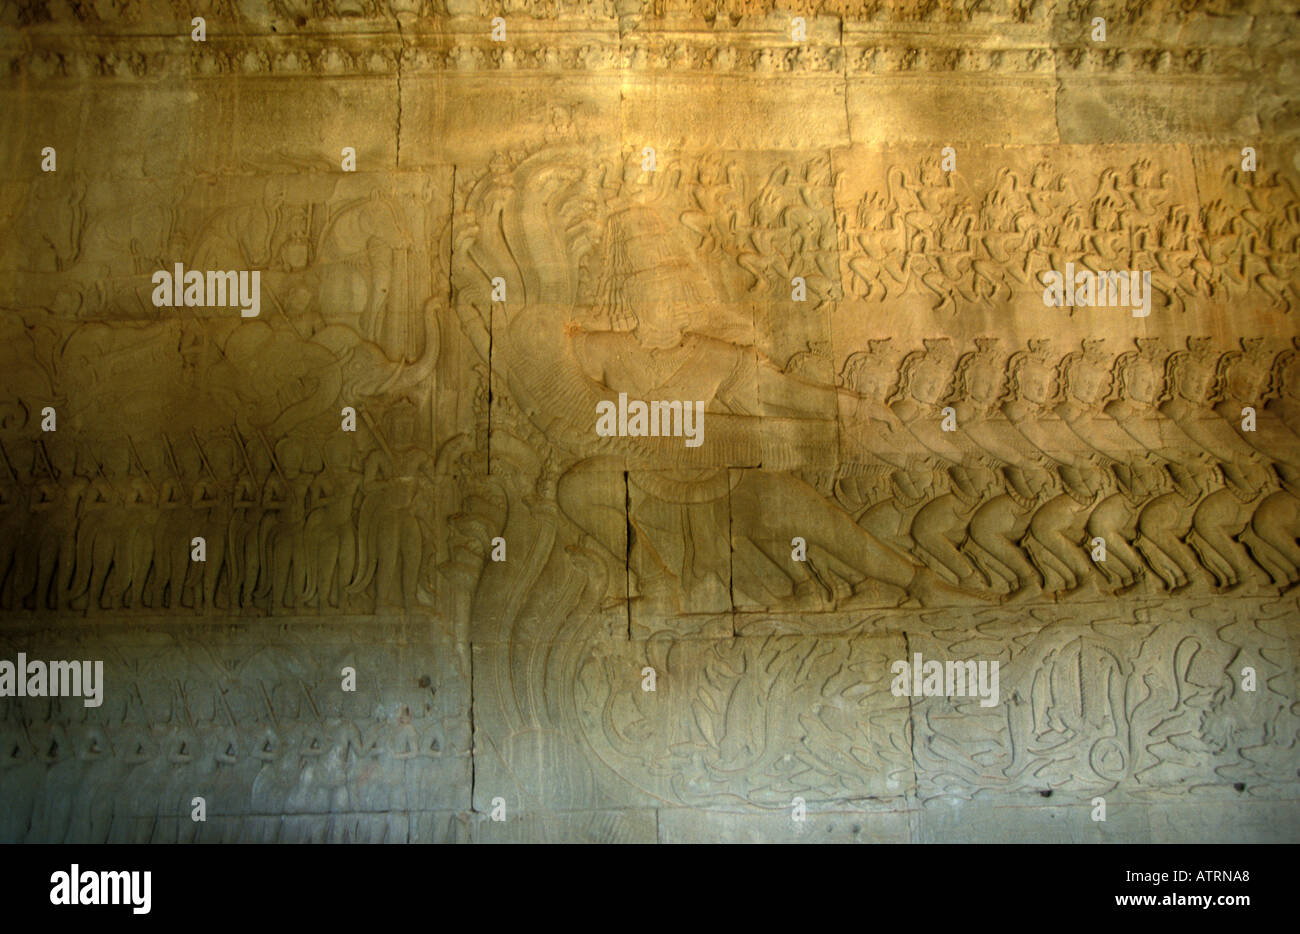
(412, 254)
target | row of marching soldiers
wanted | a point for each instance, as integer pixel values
(229, 521)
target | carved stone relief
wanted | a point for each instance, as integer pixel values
(656, 384)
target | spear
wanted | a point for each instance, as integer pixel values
(203, 458)
(99, 469)
(274, 463)
(248, 461)
(45, 458)
(176, 467)
(269, 706)
(13, 474)
(206, 467)
(185, 703)
(284, 314)
(243, 451)
(220, 690)
(374, 430)
(226, 704)
(311, 700)
(143, 469)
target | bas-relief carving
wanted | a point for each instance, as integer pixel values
(981, 237)
(616, 291)
(621, 280)
(733, 722)
(183, 422)
(359, 251)
(1148, 708)
(1136, 441)
(950, 12)
(1143, 448)
(1139, 445)
(1143, 705)
(478, 422)
(257, 726)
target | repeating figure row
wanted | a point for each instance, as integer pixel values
(1195, 703)
(971, 476)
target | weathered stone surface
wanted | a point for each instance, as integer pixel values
(257, 722)
(445, 122)
(731, 722)
(946, 821)
(1266, 822)
(1111, 110)
(681, 825)
(421, 457)
(1146, 707)
(948, 109)
(617, 826)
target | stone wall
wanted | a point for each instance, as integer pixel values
(835, 240)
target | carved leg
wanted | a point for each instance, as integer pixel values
(996, 527)
(1116, 524)
(939, 530)
(1276, 523)
(1161, 526)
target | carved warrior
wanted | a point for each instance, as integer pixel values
(258, 726)
(932, 232)
(111, 526)
(1141, 450)
(102, 518)
(660, 330)
(201, 425)
(1141, 446)
(1057, 447)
